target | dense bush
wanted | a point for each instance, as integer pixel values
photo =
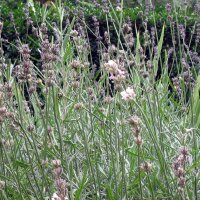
(99, 101)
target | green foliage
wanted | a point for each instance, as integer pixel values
(107, 141)
(196, 103)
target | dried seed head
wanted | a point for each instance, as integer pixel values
(78, 106)
(146, 167)
(50, 82)
(2, 185)
(39, 81)
(90, 91)
(168, 7)
(9, 143)
(30, 127)
(62, 189)
(93, 98)
(181, 182)
(180, 190)
(126, 28)
(180, 172)
(112, 49)
(74, 33)
(184, 151)
(75, 84)
(31, 89)
(57, 172)
(56, 163)
(128, 94)
(3, 110)
(179, 167)
(182, 31)
(118, 9)
(61, 184)
(75, 64)
(44, 162)
(135, 121)
(108, 99)
(197, 8)
(138, 140)
(136, 131)
(49, 129)
(9, 115)
(140, 13)
(111, 67)
(145, 74)
(60, 94)
(2, 142)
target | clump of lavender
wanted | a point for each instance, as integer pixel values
(142, 55)
(197, 34)
(6, 115)
(118, 5)
(128, 34)
(186, 77)
(25, 71)
(92, 95)
(29, 21)
(194, 57)
(105, 6)
(27, 65)
(177, 86)
(3, 113)
(149, 65)
(96, 26)
(117, 72)
(182, 31)
(153, 34)
(8, 90)
(14, 25)
(147, 37)
(61, 184)
(187, 74)
(197, 8)
(128, 94)
(168, 7)
(179, 165)
(81, 43)
(106, 38)
(169, 55)
(76, 64)
(147, 7)
(95, 2)
(49, 55)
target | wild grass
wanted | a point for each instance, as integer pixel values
(126, 129)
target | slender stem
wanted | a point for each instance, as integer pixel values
(57, 124)
(139, 173)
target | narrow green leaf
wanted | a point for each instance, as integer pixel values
(110, 193)
(196, 102)
(157, 56)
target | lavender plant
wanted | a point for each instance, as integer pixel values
(67, 135)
